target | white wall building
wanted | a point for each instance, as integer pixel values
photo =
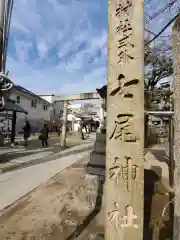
(48, 97)
(56, 112)
(75, 122)
(38, 108)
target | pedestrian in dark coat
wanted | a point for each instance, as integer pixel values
(27, 132)
(44, 135)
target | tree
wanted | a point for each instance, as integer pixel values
(158, 65)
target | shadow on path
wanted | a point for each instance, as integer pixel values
(156, 225)
(160, 155)
(34, 148)
(150, 177)
(49, 158)
(8, 157)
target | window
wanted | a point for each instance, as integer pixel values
(34, 103)
(18, 99)
(61, 112)
(45, 108)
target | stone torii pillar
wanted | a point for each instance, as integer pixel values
(124, 196)
(73, 120)
(102, 112)
(176, 50)
(64, 126)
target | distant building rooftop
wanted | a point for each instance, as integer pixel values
(25, 91)
(46, 95)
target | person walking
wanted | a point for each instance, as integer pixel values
(44, 135)
(82, 131)
(58, 131)
(27, 132)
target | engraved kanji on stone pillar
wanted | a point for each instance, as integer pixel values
(123, 86)
(125, 121)
(125, 31)
(123, 128)
(129, 173)
(129, 218)
(119, 222)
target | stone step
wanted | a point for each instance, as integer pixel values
(96, 165)
(100, 137)
(100, 148)
(97, 159)
(96, 171)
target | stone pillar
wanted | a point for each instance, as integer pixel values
(73, 126)
(125, 121)
(176, 50)
(102, 111)
(64, 127)
(101, 115)
(13, 127)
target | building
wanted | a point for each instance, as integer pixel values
(38, 109)
(75, 108)
(57, 107)
(48, 97)
(94, 110)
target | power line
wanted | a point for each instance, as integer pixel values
(10, 8)
(149, 31)
(164, 28)
(168, 5)
(146, 3)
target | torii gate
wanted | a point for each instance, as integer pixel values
(78, 96)
(72, 97)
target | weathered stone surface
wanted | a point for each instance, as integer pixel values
(100, 143)
(100, 137)
(100, 148)
(96, 165)
(125, 121)
(176, 49)
(97, 159)
(96, 171)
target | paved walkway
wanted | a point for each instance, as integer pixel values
(16, 184)
(12, 157)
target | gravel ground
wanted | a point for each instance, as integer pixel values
(56, 209)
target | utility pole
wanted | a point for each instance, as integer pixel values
(2, 11)
(64, 127)
(5, 18)
(2, 15)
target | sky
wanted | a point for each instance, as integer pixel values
(60, 46)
